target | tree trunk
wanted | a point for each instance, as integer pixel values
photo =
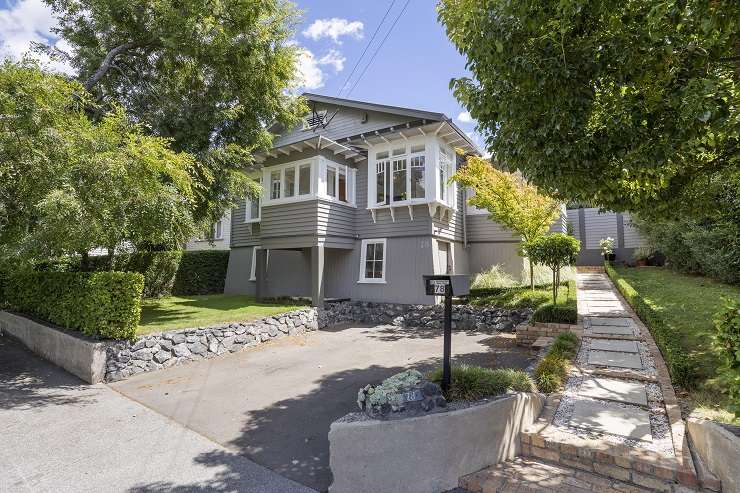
(111, 256)
(531, 274)
(84, 261)
(107, 62)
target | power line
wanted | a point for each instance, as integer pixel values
(357, 63)
(377, 50)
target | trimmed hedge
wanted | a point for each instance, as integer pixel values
(201, 272)
(565, 313)
(727, 342)
(551, 372)
(681, 365)
(98, 304)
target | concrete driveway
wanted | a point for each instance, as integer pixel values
(274, 403)
(59, 434)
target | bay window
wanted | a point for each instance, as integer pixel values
(275, 182)
(381, 166)
(304, 179)
(417, 176)
(289, 182)
(445, 163)
(400, 174)
(315, 178)
(331, 181)
(399, 180)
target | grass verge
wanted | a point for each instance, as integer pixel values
(678, 309)
(552, 372)
(179, 312)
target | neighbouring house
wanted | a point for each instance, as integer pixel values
(218, 239)
(590, 226)
(357, 204)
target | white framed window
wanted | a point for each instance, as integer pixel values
(253, 208)
(276, 184)
(218, 230)
(373, 257)
(253, 267)
(400, 173)
(289, 182)
(445, 164)
(339, 182)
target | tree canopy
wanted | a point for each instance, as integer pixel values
(509, 200)
(630, 105)
(71, 184)
(555, 251)
(211, 76)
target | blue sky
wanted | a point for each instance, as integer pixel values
(412, 68)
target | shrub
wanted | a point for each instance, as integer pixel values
(551, 373)
(158, 268)
(99, 304)
(201, 272)
(494, 277)
(681, 365)
(727, 342)
(472, 383)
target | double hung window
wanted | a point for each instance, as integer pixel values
(372, 261)
(400, 174)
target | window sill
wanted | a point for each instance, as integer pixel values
(328, 198)
(252, 221)
(288, 200)
(371, 281)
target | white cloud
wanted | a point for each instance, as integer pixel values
(333, 58)
(310, 73)
(334, 28)
(26, 22)
(465, 117)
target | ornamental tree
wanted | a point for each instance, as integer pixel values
(629, 105)
(556, 251)
(210, 76)
(509, 200)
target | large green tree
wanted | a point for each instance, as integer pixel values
(629, 105)
(69, 183)
(211, 76)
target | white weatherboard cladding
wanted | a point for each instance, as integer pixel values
(598, 226)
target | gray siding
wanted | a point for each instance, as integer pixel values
(483, 255)
(346, 123)
(450, 225)
(482, 229)
(288, 273)
(408, 260)
(243, 234)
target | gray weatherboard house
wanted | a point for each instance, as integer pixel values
(357, 205)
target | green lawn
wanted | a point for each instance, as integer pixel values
(520, 297)
(688, 304)
(179, 312)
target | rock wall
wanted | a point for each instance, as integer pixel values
(162, 350)
(157, 351)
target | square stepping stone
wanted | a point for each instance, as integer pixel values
(613, 419)
(614, 390)
(623, 321)
(610, 358)
(615, 330)
(614, 345)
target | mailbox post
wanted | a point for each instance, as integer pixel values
(447, 286)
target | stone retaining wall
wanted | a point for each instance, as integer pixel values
(527, 333)
(464, 317)
(157, 351)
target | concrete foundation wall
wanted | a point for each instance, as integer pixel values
(427, 454)
(80, 356)
(719, 450)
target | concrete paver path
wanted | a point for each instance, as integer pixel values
(58, 434)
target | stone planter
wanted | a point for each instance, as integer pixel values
(428, 454)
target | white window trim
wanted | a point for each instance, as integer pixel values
(248, 208)
(267, 197)
(351, 177)
(363, 257)
(217, 236)
(253, 267)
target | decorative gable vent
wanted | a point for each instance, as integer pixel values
(314, 119)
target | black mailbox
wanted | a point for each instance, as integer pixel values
(444, 285)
